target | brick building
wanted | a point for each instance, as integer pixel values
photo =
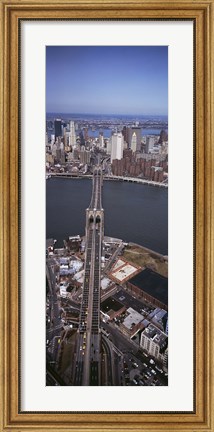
(150, 286)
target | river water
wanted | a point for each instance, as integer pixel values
(133, 212)
(107, 132)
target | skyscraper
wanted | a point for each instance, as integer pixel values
(163, 136)
(117, 144)
(58, 127)
(72, 141)
(134, 142)
(108, 147)
(125, 133)
(151, 140)
(85, 156)
(101, 140)
(134, 138)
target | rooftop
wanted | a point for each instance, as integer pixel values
(158, 314)
(105, 282)
(111, 304)
(153, 284)
(118, 264)
(122, 271)
(153, 333)
(132, 318)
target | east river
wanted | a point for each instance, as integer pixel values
(133, 212)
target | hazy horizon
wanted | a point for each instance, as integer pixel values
(105, 114)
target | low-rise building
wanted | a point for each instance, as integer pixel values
(151, 286)
(123, 271)
(111, 308)
(131, 323)
(154, 342)
(159, 318)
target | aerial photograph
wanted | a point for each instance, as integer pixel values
(106, 167)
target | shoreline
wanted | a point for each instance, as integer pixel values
(107, 178)
(108, 239)
(159, 255)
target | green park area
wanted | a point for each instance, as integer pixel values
(144, 257)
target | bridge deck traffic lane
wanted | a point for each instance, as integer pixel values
(86, 373)
(83, 314)
(90, 306)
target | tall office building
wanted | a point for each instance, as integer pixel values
(101, 140)
(85, 133)
(58, 128)
(108, 147)
(72, 141)
(66, 135)
(52, 139)
(163, 136)
(54, 149)
(117, 144)
(133, 144)
(85, 156)
(81, 138)
(125, 133)
(134, 138)
(151, 140)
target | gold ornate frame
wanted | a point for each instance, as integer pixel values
(202, 14)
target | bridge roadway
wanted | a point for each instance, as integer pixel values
(110, 177)
(54, 327)
(88, 347)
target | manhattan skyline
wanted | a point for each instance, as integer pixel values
(107, 79)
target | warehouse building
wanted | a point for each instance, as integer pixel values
(150, 286)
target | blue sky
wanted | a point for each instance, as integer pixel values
(107, 79)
